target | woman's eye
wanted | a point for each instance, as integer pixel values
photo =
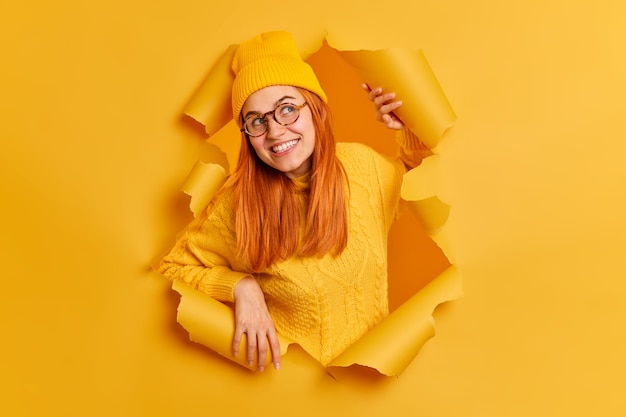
(257, 121)
(287, 108)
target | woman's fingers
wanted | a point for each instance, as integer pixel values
(275, 348)
(252, 318)
(259, 344)
(389, 108)
(262, 349)
(237, 341)
(382, 99)
(385, 106)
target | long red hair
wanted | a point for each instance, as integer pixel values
(267, 208)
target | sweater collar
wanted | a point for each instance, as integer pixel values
(303, 183)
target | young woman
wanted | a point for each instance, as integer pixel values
(297, 237)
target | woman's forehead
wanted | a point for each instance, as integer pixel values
(267, 98)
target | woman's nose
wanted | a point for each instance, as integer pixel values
(274, 128)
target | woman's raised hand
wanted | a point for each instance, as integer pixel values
(385, 105)
(253, 319)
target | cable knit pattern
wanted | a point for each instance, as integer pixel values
(324, 304)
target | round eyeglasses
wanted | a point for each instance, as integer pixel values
(284, 114)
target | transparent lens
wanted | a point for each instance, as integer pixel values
(256, 125)
(286, 113)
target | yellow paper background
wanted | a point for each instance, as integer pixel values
(94, 148)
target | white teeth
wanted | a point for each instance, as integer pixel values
(284, 146)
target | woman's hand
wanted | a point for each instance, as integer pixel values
(253, 319)
(384, 107)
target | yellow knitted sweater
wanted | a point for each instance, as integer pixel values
(324, 304)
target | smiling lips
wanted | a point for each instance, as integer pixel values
(284, 146)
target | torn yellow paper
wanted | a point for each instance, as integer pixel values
(431, 212)
(422, 181)
(391, 345)
(228, 140)
(212, 324)
(420, 188)
(309, 42)
(204, 180)
(425, 109)
(210, 105)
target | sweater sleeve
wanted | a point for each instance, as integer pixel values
(412, 150)
(202, 258)
(410, 154)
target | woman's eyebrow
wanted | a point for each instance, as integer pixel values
(283, 98)
(276, 104)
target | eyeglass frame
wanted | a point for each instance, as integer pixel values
(273, 113)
